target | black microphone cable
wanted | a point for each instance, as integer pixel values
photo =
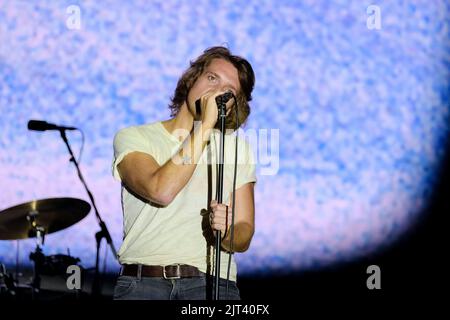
(39, 125)
(82, 145)
(80, 153)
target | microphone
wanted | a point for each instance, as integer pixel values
(223, 98)
(38, 125)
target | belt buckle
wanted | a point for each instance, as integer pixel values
(178, 276)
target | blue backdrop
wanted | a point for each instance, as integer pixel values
(350, 111)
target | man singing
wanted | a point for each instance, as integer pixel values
(168, 172)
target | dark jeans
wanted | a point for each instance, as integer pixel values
(153, 288)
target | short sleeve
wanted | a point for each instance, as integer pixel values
(246, 168)
(126, 141)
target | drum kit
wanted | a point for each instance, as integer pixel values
(36, 219)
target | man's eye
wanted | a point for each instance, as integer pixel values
(211, 77)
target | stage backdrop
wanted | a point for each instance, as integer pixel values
(350, 112)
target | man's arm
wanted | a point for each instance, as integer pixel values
(244, 219)
(160, 184)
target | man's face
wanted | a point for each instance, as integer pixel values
(219, 76)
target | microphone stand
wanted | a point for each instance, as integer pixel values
(103, 233)
(219, 193)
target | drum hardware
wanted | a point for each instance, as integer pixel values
(8, 279)
(38, 218)
(35, 219)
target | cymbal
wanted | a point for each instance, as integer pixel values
(52, 214)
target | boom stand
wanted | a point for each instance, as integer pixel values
(103, 233)
(219, 194)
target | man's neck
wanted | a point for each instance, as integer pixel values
(183, 121)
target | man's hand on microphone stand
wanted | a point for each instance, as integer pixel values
(220, 217)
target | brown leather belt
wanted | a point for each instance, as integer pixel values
(175, 271)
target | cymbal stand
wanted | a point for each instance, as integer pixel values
(37, 256)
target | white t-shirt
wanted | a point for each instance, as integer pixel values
(155, 235)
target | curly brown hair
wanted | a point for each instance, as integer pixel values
(246, 81)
